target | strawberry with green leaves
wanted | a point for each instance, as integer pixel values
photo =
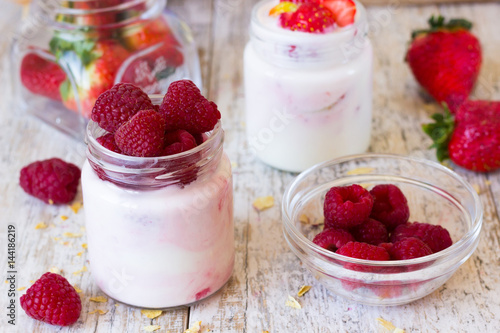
(471, 137)
(445, 59)
(41, 76)
(142, 35)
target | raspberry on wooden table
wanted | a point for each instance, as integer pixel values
(435, 236)
(409, 248)
(118, 104)
(347, 206)
(332, 239)
(53, 300)
(53, 181)
(371, 231)
(389, 205)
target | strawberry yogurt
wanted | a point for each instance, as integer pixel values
(308, 95)
(160, 230)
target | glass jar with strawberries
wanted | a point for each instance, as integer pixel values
(158, 196)
(69, 52)
(308, 82)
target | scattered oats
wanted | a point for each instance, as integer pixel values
(303, 290)
(6, 281)
(31, 281)
(79, 254)
(72, 235)
(84, 269)
(84, 245)
(292, 302)
(51, 202)
(99, 311)
(265, 331)
(487, 182)
(151, 314)
(262, 203)
(151, 328)
(64, 217)
(98, 299)
(476, 188)
(399, 330)
(65, 243)
(78, 290)
(21, 288)
(41, 225)
(55, 270)
(304, 219)
(389, 326)
(195, 328)
(57, 238)
(76, 207)
(360, 171)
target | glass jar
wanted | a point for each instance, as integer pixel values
(308, 96)
(160, 229)
(68, 52)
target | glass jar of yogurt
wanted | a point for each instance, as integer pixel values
(160, 229)
(308, 95)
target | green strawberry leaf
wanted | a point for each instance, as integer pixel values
(440, 131)
(83, 48)
(65, 89)
(439, 23)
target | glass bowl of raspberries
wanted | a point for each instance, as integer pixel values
(381, 229)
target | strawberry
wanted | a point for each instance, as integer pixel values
(471, 137)
(99, 63)
(343, 11)
(445, 60)
(143, 35)
(41, 76)
(308, 17)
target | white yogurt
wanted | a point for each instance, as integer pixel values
(308, 96)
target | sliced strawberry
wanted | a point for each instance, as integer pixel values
(309, 17)
(42, 77)
(343, 11)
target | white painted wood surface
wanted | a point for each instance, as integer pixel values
(266, 272)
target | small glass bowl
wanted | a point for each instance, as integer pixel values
(435, 194)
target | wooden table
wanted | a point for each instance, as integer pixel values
(266, 272)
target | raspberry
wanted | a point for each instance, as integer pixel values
(363, 251)
(347, 206)
(178, 141)
(409, 248)
(435, 236)
(333, 239)
(184, 107)
(108, 141)
(118, 104)
(371, 231)
(52, 300)
(54, 181)
(389, 205)
(142, 135)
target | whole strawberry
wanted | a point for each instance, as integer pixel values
(53, 300)
(445, 59)
(41, 76)
(471, 138)
(54, 181)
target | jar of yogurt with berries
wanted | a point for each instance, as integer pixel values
(308, 82)
(159, 226)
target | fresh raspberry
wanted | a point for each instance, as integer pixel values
(184, 107)
(118, 104)
(309, 17)
(371, 231)
(54, 181)
(409, 248)
(53, 300)
(363, 251)
(178, 141)
(347, 206)
(386, 246)
(142, 135)
(108, 141)
(435, 236)
(389, 205)
(333, 239)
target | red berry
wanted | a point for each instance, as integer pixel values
(108, 141)
(409, 248)
(435, 236)
(347, 206)
(363, 251)
(142, 135)
(42, 77)
(389, 205)
(118, 104)
(53, 300)
(309, 17)
(333, 239)
(371, 231)
(178, 141)
(54, 181)
(184, 107)
(343, 11)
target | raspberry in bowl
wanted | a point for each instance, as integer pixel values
(431, 226)
(159, 217)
